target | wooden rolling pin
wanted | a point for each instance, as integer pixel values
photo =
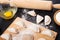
(32, 4)
(57, 6)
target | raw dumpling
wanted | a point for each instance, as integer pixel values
(47, 20)
(6, 36)
(24, 37)
(32, 13)
(20, 24)
(13, 30)
(27, 31)
(34, 27)
(47, 32)
(39, 19)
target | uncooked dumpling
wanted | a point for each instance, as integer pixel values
(13, 30)
(34, 27)
(47, 32)
(20, 24)
(32, 13)
(39, 19)
(47, 20)
(6, 36)
(27, 31)
(24, 37)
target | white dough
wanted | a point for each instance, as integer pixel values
(13, 30)
(24, 32)
(32, 13)
(6, 36)
(47, 32)
(39, 19)
(47, 20)
(27, 31)
(23, 37)
(20, 24)
(33, 27)
(58, 17)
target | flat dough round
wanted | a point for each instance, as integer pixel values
(57, 17)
